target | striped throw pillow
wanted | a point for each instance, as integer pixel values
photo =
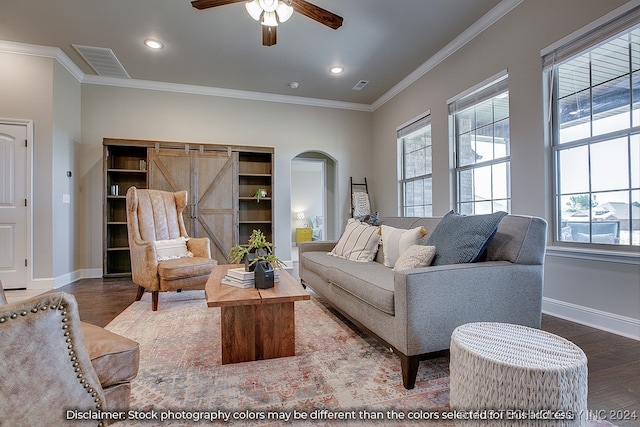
(359, 242)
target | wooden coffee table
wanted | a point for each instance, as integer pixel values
(255, 323)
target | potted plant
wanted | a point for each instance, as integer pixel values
(260, 193)
(259, 249)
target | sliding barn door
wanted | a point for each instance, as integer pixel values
(210, 180)
(216, 201)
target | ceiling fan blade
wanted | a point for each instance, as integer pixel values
(317, 13)
(206, 4)
(269, 35)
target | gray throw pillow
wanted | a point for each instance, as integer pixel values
(461, 238)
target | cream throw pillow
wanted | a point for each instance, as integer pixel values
(359, 242)
(415, 256)
(172, 249)
(397, 240)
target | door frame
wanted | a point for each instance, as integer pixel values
(29, 193)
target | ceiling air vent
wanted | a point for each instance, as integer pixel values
(103, 61)
(360, 84)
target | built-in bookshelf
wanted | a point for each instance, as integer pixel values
(255, 171)
(124, 166)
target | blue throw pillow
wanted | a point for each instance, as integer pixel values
(461, 238)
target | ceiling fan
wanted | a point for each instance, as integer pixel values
(270, 12)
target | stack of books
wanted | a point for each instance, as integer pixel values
(240, 278)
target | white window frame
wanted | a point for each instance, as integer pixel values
(411, 128)
(493, 87)
(569, 49)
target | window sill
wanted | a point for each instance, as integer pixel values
(594, 254)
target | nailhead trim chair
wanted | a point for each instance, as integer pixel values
(51, 362)
(152, 216)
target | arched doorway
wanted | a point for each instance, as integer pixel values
(313, 192)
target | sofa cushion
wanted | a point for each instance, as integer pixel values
(115, 358)
(359, 242)
(415, 256)
(461, 238)
(371, 282)
(185, 267)
(396, 240)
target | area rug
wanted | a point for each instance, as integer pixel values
(337, 372)
(338, 377)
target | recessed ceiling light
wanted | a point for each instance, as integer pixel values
(336, 70)
(153, 44)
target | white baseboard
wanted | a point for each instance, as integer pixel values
(614, 323)
(91, 273)
(42, 284)
(65, 279)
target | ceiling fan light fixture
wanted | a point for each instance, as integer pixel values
(254, 9)
(269, 5)
(269, 19)
(284, 11)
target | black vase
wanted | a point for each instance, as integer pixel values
(264, 275)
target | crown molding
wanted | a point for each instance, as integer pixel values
(491, 17)
(45, 52)
(220, 92)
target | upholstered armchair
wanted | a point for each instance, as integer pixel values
(53, 365)
(163, 257)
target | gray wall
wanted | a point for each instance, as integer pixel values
(66, 136)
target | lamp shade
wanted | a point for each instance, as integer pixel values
(284, 11)
(254, 9)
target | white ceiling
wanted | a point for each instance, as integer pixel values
(380, 41)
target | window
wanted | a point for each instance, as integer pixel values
(414, 142)
(595, 135)
(480, 129)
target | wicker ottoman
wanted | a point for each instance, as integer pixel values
(516, 374)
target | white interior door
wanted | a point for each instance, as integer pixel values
(13, 209)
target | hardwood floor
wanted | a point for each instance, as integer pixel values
(613, 361)
(614, 368)
(101, 300)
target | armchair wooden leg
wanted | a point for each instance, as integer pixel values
(140, 293)
(154, 300)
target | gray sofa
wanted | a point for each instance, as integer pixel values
(414, 312)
